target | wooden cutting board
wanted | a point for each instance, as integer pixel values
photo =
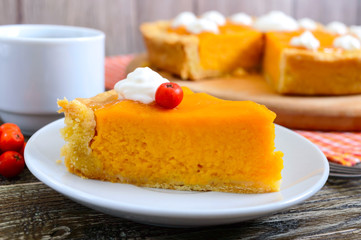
(336, 113)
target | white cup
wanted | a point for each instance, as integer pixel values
(42, 63)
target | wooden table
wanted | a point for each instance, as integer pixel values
(31, 210)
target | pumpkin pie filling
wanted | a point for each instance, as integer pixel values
(204, 144)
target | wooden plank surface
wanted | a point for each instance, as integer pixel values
(255, 8)
(31, 210)
(120, 19)
(114, 17)
(9, 12)
(326, 11)
(153, 10)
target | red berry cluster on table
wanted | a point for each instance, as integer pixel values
(12, 146)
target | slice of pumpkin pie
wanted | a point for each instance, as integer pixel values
(203, 144)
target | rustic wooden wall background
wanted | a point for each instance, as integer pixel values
(120, 19)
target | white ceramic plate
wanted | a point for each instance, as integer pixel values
(305, 172)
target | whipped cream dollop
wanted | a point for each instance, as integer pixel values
(183, 19)
(306, 40)
(207, 23)
(307, 23)
(275, 21)
(241, 18)
(215, 17)
(202, 25)
(140, 85)
(356, 30)
(337, 28)
(347, 42)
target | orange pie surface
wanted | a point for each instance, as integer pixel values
(235, 46)
(203, 144)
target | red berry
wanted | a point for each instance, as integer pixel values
(11, 140)
(11, 164)
(9, 126)
(169, 95)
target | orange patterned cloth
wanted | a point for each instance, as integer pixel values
(339, 147)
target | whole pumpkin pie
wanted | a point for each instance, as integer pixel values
(194, 49)
(203, 144)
